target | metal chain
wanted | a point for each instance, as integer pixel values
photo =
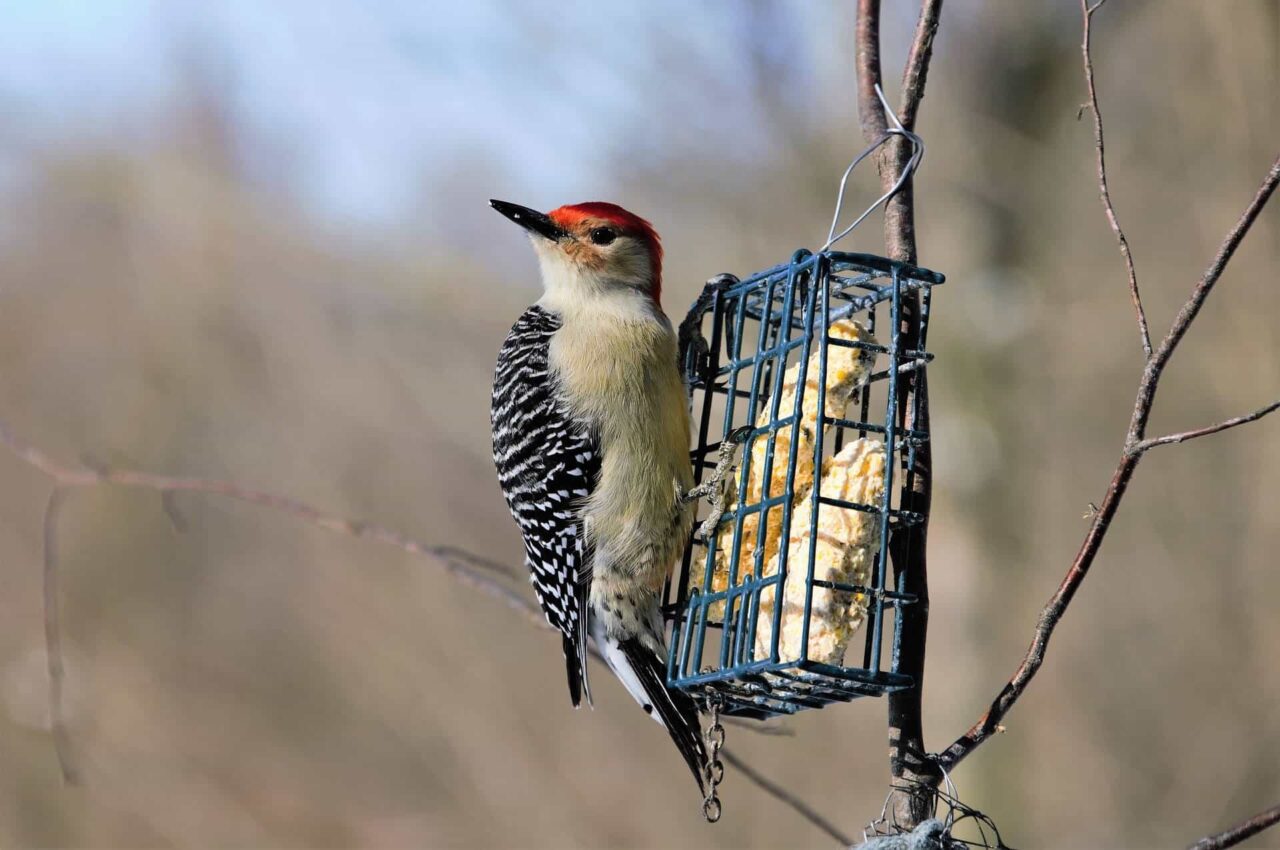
(715, 768)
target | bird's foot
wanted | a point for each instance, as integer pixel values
(715, 489)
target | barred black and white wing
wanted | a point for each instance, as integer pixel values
(548, 463)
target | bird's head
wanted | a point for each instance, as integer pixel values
(592, 249)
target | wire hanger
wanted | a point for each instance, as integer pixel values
(917, 154)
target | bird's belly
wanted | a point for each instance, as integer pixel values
(637, 535)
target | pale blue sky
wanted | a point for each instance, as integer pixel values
(369, 103)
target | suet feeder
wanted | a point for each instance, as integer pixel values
(799, 377)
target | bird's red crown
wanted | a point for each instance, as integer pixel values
(572, 215)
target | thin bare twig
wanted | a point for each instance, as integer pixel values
(783, 795)
(1183, 436)
(53, 638)
(767, 730)
(916, 72)
(1187, 314)
(1233, 836)
(1099, 146)
(1132, 453)
(463, 564)
(478, 572)
(471, 569)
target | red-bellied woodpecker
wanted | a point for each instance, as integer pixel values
(591, 441)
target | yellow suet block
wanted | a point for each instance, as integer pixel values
(843, 552)
(847, 370)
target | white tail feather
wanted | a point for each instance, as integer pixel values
(621, 667)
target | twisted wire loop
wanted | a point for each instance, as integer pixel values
(936, 832)
(917, 155)
(711, 808)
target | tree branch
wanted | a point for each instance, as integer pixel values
(916, 72)
(1132, 453)
(1190, 309)
(1239, 832)
(1087, 12)
(914, 774)
(1183, 436)
(867, 55)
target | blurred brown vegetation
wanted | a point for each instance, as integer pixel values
(257, 682)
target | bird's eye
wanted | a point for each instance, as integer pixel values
(603, 235)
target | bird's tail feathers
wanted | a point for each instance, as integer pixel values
(576, 651)
(643, 673)
(576, 668)
(583, 651)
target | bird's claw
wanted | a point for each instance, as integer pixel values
(714, 489)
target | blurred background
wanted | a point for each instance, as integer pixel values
(251, 241)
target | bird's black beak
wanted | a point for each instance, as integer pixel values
(530, 220)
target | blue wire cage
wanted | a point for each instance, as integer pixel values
(757, 328)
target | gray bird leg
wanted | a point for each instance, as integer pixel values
(714, 489)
